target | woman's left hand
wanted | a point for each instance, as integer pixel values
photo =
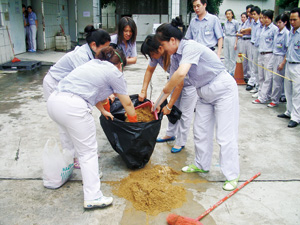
(165, 111)
(108, 115)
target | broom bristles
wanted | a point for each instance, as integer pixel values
(174, 219)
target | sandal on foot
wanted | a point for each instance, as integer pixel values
(161, 140)
(193, 169)
(76, 164)
(175, 150)
(230, 185)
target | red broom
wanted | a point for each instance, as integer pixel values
(174, 219)
(14, 59)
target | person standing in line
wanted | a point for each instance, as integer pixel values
(255, 12)
(70, 106)
(246, 31)
(231, 27)
(126, 38)
(205, 28)
(292, 72)
(184, 95)
(278, 63)
(265, 48)
(96, 40)
(256, 44)
(238, 46)
(33, 25)
(217, 104)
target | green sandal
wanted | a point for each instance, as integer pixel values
(193, 169)
(230, 185)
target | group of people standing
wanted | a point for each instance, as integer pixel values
(30, 23)
(271, 55)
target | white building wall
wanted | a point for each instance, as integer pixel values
(56, 14)
(239, 6)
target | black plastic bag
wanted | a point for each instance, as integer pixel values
(134, 142)
(175, 113)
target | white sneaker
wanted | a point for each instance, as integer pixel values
(254, 90)
(101, 202)
(255, 95)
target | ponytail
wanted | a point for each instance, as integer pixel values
(167, 30)
(99, 36)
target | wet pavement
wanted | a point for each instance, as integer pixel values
(266, 145)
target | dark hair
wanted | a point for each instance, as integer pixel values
(296, 10)
(23, 6)
(151, 44)
(112, 55)
(255, 9)
(99, 36)
(284, 17)
(29, 7)
(167, 30)
(244, 13)
(202, 1)
(230, 10)
(124, 21)
(249, 6)
(268, 13)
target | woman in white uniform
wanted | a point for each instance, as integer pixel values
(231, 27)
(70, 106)
(217, 105)
(96, 40)
(184, 96)
(126, 38)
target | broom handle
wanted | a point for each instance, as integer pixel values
(12, 48)
(227, 196)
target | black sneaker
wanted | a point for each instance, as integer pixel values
(249, 87)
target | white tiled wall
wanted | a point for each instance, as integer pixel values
(6, 53)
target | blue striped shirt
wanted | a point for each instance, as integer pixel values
(266, 39)
(293, 52)
(255, 26)
(205, 64)
(206, 31)
(130, 51)
(70, 61)
(231, 28)
(281, 41)
(94, 81)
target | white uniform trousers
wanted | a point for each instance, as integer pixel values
(32, 37)
(247, 52)
(229, 54)
(277, 81)
(239, 46)
(218, 106)
(186, 103)
(74, 116)
(292, 91)
(264, 78)
(254, 68)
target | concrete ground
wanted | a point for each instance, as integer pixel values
(266, 145)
